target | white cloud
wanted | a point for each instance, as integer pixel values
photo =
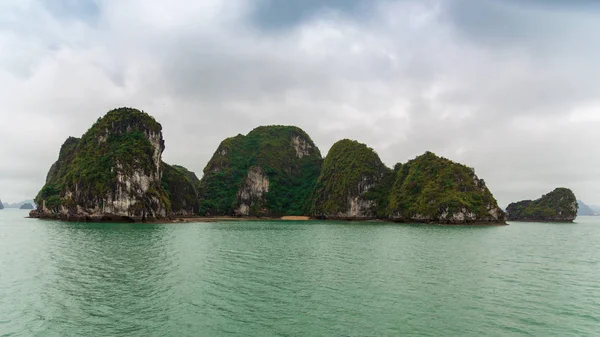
(404, 79)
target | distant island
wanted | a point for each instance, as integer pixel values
(18, 204)
(586, 210)
(559, 205)
(1, 205)
(26, 206)
(115, 172)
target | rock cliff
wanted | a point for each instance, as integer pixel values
(349, 172)
(432, 189)
(183, 196)
(269, 172)
(559, 205)
(188, 174)
(113, 172)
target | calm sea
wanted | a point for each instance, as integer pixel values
(298, 279)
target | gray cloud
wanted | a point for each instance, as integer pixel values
(506, 87)
(274, 14)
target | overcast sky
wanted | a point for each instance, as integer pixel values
(510, 87)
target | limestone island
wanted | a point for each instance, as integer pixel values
(559, 205)
(115, 172)
(355, 184)
(26, 206)
(278, 171)
(1, 205)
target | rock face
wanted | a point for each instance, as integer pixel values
(436, 190)
(559, 205)
(252, 191)
(345, 187)
(269, 172)
(183, 196)
(113, 172)
(188, 174)
(26, 206)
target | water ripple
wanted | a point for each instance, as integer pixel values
(290, 279)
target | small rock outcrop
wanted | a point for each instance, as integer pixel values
(113, 172)
(269, 172)
(432, 189)
(559, 205)
(26, 206)
(346, 187)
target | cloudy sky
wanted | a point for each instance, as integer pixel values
(510, 87)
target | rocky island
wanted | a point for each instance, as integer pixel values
(277, 170)
(559, 205)
(1, 205)
(353, 184)
(433, 189)
(115, 172)
(269, 172)
(26, 206)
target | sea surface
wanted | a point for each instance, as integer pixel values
(298, 279)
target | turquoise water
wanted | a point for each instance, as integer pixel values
(298, 279)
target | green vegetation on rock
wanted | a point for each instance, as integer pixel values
(115, 171)
(381, 191)
(183, 195)
(350, 182)
(189, 174)
(270, 171)
(559, 205)
(434, 189)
